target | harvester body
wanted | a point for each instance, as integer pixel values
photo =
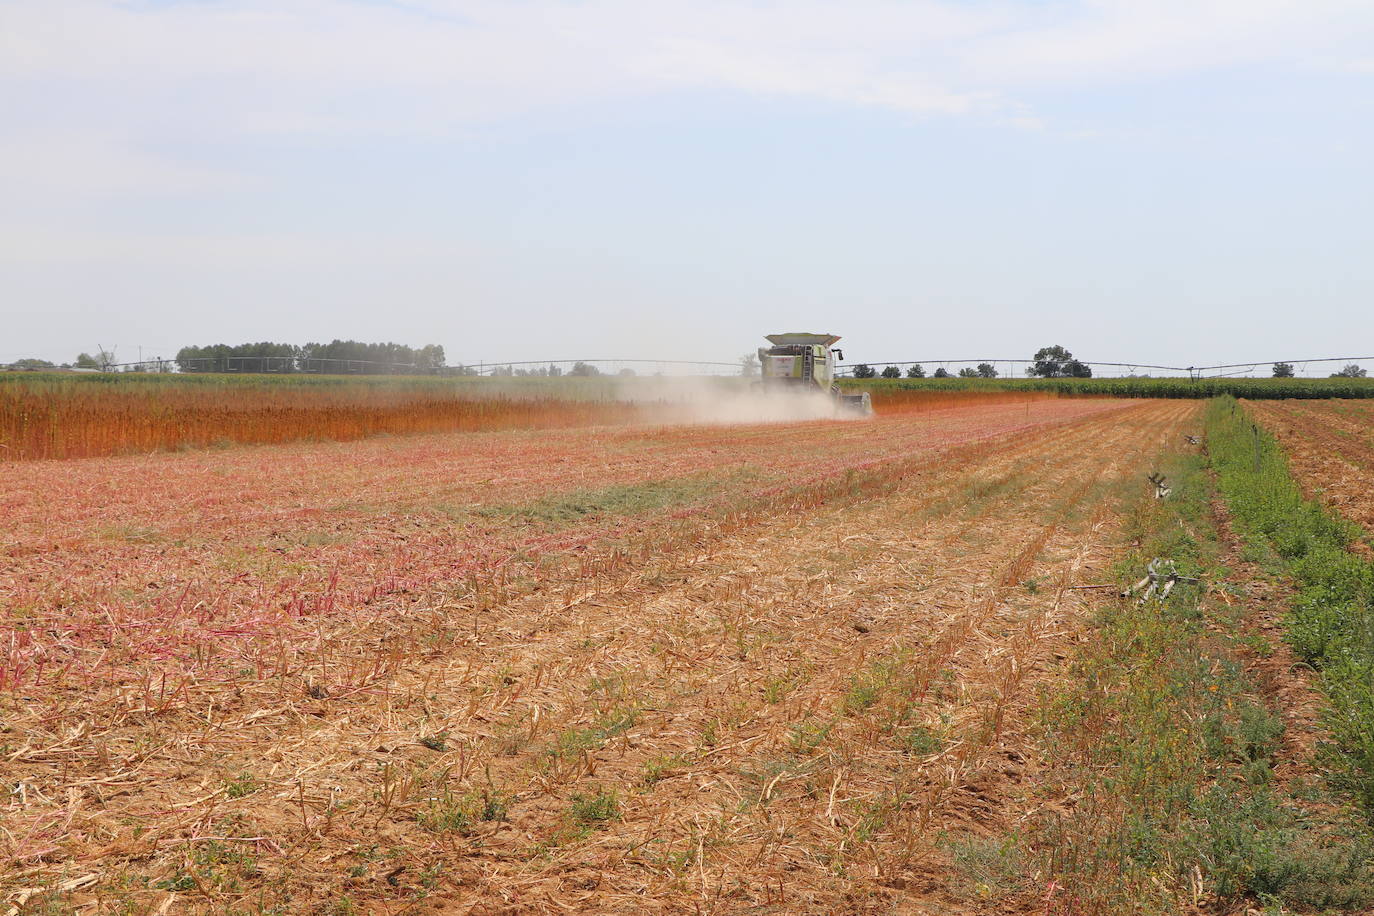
(806, 363)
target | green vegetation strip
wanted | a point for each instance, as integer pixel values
(1331, 624)
(623, 499)
(1167, 748)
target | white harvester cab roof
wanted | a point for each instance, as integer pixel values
(787, 340)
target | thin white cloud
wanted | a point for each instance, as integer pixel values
(478, 58)
(87, 87)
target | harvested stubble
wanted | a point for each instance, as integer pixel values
(1330, 447)
(206, 550)
(769, 692)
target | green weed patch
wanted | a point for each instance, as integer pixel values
(1168, 748)
(622, 500)
(1331, 624)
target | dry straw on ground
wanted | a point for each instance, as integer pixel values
(417, 676)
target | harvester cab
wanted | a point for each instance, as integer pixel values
(806, 363)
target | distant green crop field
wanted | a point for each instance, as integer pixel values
(610, 387)
(1253, 388)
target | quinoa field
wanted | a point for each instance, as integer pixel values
(592, 658)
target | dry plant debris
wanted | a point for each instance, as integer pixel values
(610, 669)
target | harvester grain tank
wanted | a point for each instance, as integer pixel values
(802, 363)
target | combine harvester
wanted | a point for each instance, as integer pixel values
(805, 364)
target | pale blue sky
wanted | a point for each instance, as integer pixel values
(1181, 182)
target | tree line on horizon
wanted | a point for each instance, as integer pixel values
(265, 356)
(1048, 362)
(1055, 362)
